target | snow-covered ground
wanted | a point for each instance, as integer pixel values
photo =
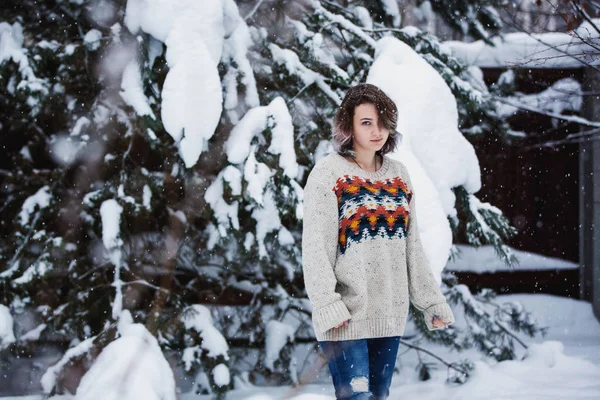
(563, 365)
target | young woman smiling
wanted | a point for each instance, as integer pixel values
(363, 261)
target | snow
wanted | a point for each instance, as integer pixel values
(226, 214)
(550, 370)
(344, 23)
(363, 15)
(25, 153)
(277, 335)
(294, 66)
(6, 328)
(282, 141)
(110, 212)
(570, 321)
(40, 199)
(275, 116)
(155, 49)
(485, 260)
(92, 39)
(267, 220)
(197, 36)
(564, 365)
(147, 197)
(316, 44)
(235, 48)
(132, 90)
(130, 368)
(588, 32)
(562, 95)
(49, 378)
(436, 154)
(546, 372)
(198, 318)
(39, 268)
(191, 97)
(34, 334)
(539, 50)
(10, 271)
(221, 375)
(65, 149)
(11, 48)
(391, 8)
(257, 175)
(81, 123)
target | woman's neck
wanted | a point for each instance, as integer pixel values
(367, 160)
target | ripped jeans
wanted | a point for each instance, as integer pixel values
(363, 368)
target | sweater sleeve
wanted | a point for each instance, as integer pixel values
(319, 253)
(424, 291)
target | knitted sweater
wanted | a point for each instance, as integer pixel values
(362, 258)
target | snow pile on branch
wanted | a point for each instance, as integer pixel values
(195, 35)
(6, 328)
(133, 90)
(275, 117)
(130, 368)
(277, 121)
(48, 380)
(198, 318)
(11, 48)
(391, 8)
(437, 155)
(537, 50)
(225, 213)
(235, 48)
(40, 199)
(110, 212)
(277, 335)
(294, 66)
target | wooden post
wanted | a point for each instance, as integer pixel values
(589, 197)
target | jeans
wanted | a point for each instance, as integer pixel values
(363, 368)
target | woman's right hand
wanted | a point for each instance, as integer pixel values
(343, 323)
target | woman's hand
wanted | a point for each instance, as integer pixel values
(343, 323)
(438, 323)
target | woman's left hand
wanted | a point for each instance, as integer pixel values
(438, 323)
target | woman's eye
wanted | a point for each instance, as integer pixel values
(366, 123)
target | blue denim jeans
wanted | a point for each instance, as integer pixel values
(363, 368)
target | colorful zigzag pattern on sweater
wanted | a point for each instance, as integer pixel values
(370, 209)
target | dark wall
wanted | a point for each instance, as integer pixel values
(536, 186)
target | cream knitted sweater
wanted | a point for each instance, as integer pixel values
(362, 258)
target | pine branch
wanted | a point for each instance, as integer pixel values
(253, 11)
(37, 217)
(447, 364)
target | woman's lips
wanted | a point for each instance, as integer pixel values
(377, 140)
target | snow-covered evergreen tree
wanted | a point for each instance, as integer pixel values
(156, 161)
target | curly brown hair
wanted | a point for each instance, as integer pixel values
(343, 120)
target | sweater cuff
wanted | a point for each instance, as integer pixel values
(330, 316)
(443, 310)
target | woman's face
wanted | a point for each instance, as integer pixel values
(368, 135)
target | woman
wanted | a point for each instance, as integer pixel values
(362, 257)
